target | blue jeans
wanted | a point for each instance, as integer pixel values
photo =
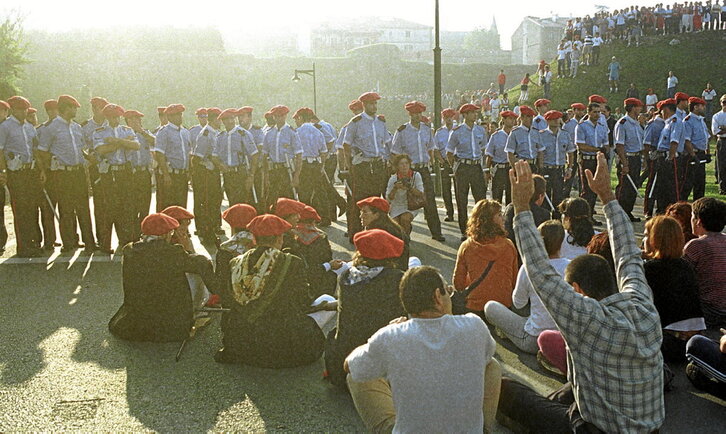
(671, 92)
(705, 353)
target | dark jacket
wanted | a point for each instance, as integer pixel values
(157, 303)
(315, 255)
(675, 289)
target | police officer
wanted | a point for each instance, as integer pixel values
(335, 200)
(97, 120)
(695, 135)
(202, 118)
(171, 151)
(284, 154)
(365, 145)
(558, 157)
(140, 161)
(356, 107)
(205, 176)
(651, 137)
(244, 118)
(578, 112)
(161, 112)
(253, 134)
(628, 138)
(441, 139)
(111, 143)
(235, 146)
(539, 123)
(497, 161)
(415, 139)
(464, 152)
(667, 189)
(681, 105)
(313, 190)
(589, 142)
(519, 143)
(17, 168)
(61, 162)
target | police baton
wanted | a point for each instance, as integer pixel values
(289, 172)
(652, 187)
(634, 186)
(254, 191)
(50, 204)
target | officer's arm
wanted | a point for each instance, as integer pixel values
(298, 164)
(254, 163)
(130, 144)
(346, 156)
(43, 158)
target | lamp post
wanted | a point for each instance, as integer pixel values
(437, 71)
(310, 72)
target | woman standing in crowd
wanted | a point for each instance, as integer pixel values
(401, 184)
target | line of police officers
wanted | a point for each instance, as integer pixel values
(52, 165)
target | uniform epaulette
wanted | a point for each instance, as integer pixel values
(456, 127)
(622, 121)
(687, 117)
(83, 124)
(356, 118)
(205, 133)
(402, 127)
(381, 117)
(100, 129)
(255, 127)
(318, 126)
(674, 120)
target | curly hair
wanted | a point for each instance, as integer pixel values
(681, 211)
(359, 259)
(600, 245)
(481, 225)
(397, 159)
(577, 221)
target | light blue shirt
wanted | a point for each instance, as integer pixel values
(570, 127)
(539, 123)
(64, 141)
(681, 114)
(555, 147)
(17, 139)
(496, 147)
(520, 144)
(414, 142)
(672, 132)
(468, 143)
(695, 130)
(204, 143)
(281, 145)
(232, 147)
(142, 156)
(587, 133)
(629, 133)
(175, 143)
(367, 135)
(652, 131)
(312, 140)
(194, 133)
(89, 127)
(118, 156)
(441, 139)
(327, 130)
(258, 134)
(341, 137)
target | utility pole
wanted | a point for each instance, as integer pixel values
(437, 71)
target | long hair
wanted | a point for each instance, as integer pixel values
(386, 223)
(577, 223)
(681, 211)
(481, 225)
(665, 238)
(359, 259)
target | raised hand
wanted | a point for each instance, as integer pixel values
(520, 177)
(600, 182)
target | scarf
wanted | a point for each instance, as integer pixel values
(249, 281)
(239, 243)
(360, 273)
(408, 175)
(147, 238)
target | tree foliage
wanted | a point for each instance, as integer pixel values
(482, 39)
(13, 50)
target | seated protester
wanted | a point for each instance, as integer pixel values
(181, 234)
(612, 330)
(238, 217)
(577, 220)
(312, 246)
(367, 298)
(541, 215)
(267, 325)
(707, 255)
(600, 245)
(288, 210)
(157, 303)
(487, 241)
(403, 379)
(681, 211)
(523, 331)
(707, 363)
(675, 291)
(374, 215)
(402, 183)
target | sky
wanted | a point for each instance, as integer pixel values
(277, 16)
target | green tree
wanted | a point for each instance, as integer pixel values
(13, 52)
(482, 39)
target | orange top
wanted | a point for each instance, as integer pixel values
(471, 260)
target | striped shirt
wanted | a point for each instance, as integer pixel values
(614, 361)
(707, 256)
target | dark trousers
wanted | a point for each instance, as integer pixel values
(140, 200)
(207, 198)
(69, 190)
(25, 201)
(312, 190)
(666, 183)
(367, 179)
(721, 162)
(93, 180)
(279, 184)
(174, 193)
(235, 187)
(555, 185)
(468, 176)
(704, 353)
(113, 191)
(568, 185)
(331, 164)
(446, 174)
(3, 230)
(561, 67)
(500, 185)
(649, 172)
(47, 218)
(625, 192)
(595, 55)
(694, 177)
(585, 191)
(430, 211)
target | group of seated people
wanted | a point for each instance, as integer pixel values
(406, 360)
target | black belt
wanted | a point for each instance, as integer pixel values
(633, 154)
(135, 169)
(469, 162)
(117, 167)
(547, 166)
(588, 157)
(420, 166)
(501, 165)
(528, 160)
(25, 166)
(177, 171)
(70, 168)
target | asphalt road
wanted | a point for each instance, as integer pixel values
(60, 369)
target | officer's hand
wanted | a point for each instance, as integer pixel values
(43, 177)
(488, 176)
(167, 180)
(335, 264)
(624, 169)
(295, 180)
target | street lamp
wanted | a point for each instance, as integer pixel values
(311, 72)
(437, 69)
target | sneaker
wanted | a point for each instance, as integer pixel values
(547, 365)
(449, 218)
(439, 238)
(633, 218)
(698, 379)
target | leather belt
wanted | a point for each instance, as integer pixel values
(420, 166)
(588, 157)
(177, 171)
(135, 169)
(469, 162)
(501, 165)
(312, 160)
(632, 154)
(24, 166)
(548, 166)
(234, 168)
(117, 167)
(664, 154)
(70, 168)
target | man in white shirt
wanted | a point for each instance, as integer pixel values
(672, 82)
(718, 128)
(596, 43)
(404, 380)
(709, 94)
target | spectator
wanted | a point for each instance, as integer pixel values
(634, 34)
(707, 255)
(672, 82)
(561, 59)
(575, 59)
(547, 82)
(613, 74)
(524, 89)
(374, 215)
(707, 363)
(600, 245)
(596, 44)
(577, 221)
(402, 183)
(587, 50)
(611, 329)
(487, 241)
(523, 331)
(632, 92)
(402, 378)
(367, 298)
(709, 94)
(502, 80)
(681, 211)
(651, 99)
(675, 292)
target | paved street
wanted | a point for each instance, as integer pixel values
(60, 369)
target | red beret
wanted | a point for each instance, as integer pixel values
(158, 224)
(32, 110)
(448, 113)
(375, 202)
(279, 110)
(354, 105)
(18, 103)
(527, 111)
(284, 207)
(369, 97)
(68, 100)
(469, 108)
(111, 110)
(378, 244)
(4, 105)
(414, 107)
(133, 114)
(425, 119)
(227, 113)
(51, 104)
(552, 115)
(633, 101)
(666, 102)
(303, 111)
(696, 100)
(508, 114)
(309, 213)
(239, 215)
(542, 101)
(214, 112)
(268, 225)
(201, 111)
(98, 102)
(681, 96)
(177, 213)
(161, 110)
(245, 109)
(174, 109)
(597, 99)
(578, 106)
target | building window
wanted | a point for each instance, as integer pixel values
(408, 33)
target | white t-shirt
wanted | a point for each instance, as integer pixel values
(651, 99)
(596, 41)
(539, 319)
(571, 251)
(430, 393)
(672, 81)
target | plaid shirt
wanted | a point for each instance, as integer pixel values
(614, 360)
